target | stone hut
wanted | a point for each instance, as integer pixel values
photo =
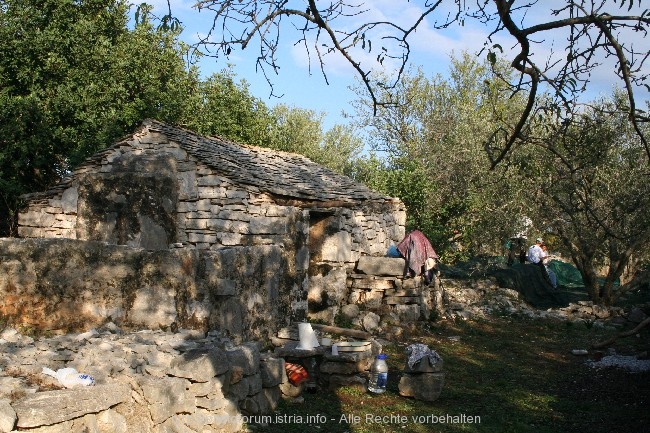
(170, 227)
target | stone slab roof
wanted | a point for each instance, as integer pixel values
(280, 173)
(285, 174)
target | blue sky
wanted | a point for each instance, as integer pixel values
(305, 87)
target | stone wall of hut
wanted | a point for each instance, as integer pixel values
(149, 194)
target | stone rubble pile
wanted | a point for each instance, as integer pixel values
(146, 381)
(379, 298)
(473, 299)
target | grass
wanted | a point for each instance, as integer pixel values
(516, 375)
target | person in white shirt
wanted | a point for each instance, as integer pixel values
(535, 252)
(536, 255)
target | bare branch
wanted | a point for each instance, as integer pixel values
(594, 36)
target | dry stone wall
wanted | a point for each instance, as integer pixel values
(149, 189)
(51, 284)
(357, 235)
(147, 381)
(374, 295)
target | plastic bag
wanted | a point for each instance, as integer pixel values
(69, 377)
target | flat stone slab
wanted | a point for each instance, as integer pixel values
(291, 350)
(53, 407)
(381, 266)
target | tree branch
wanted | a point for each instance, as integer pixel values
(634, 331)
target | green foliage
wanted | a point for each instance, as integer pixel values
(223, 107)
(73, 78)
(299, 130)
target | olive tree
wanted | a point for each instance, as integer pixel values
(593, 182)
(431, 140)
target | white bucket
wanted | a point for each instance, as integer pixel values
(308, 339)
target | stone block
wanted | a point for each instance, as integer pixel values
(166, 397)
(210, 180)
(187, 189)
(277, 211)
(238, 194)
(7, 416)
(268, 225)
(211, 192)
(212, 388)
(250, 406)
(193, 223)
(238, 391)
(210, 403)
(421, 386)
(153, 138)
(372, 283)
(272, 371)
(246, 356)
(414, 283)
(350, 311)
(380, 266)
(370, 322)
(30, 218)
(233, 215)
(53, 407)
(289, 390)
(204, 205)
(30, 232)
(200, 237)
(69, 200)
(200, 365)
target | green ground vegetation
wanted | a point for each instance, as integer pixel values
(515, 374)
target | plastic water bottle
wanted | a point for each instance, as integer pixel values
(378, 375)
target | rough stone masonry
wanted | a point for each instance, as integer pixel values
(146, 381)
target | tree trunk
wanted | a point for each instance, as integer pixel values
(590, 279)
